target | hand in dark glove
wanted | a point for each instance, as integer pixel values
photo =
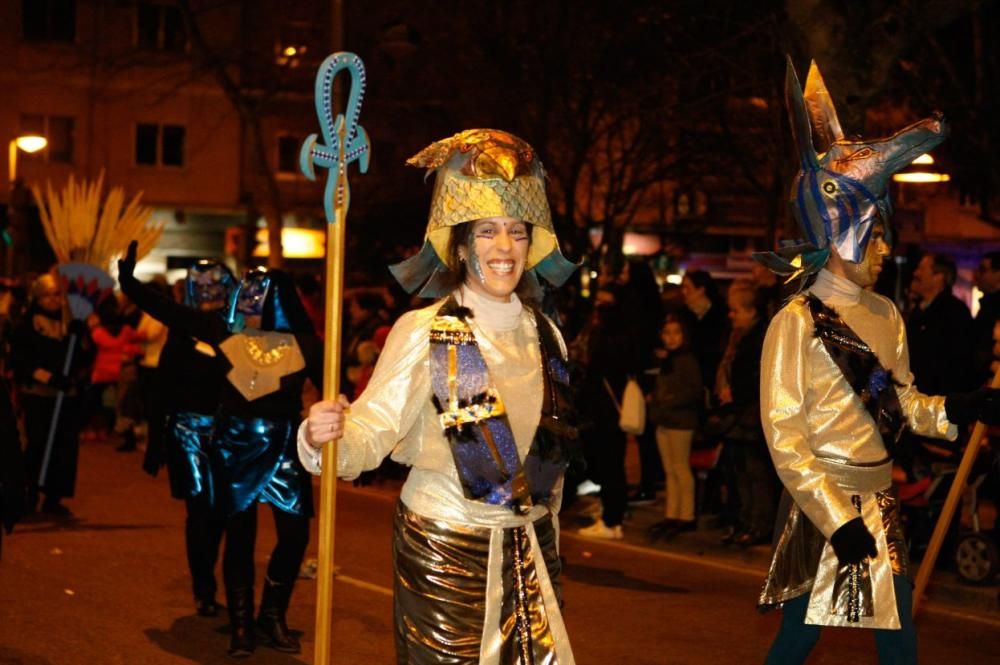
(126, 265)
(982, 405)
(852, 542)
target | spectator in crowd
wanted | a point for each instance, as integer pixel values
(39, 348)
(310, 290)
(769, 289)
(611, 356)
(367, 352)
(738, 387)
(363, 319)
(13, 483)
(674, 409)
(987, 280)
(117, 343)
(641, 302)
(939, 330)
(671, 298)
(12, 304)
(709, 327)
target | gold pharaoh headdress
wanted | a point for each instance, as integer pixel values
(483, 173)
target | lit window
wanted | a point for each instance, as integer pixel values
(159, 145)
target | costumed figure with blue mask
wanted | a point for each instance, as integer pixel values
(189, 382)
(837, 391)
(471, 393)
(266, 348)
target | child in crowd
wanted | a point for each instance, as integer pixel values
(673, 409)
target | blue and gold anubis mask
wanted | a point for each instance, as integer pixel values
(842, 186)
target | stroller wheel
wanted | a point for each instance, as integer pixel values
(977, 558)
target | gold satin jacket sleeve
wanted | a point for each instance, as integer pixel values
(925, 414)
(399, 388)
(785, 380)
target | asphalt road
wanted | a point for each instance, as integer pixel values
(111, 586)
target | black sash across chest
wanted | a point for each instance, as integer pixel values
(873, 384)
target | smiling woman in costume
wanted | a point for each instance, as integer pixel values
(470, 392)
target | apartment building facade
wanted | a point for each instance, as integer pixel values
(126, 90)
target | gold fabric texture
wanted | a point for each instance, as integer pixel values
(486, 173)
(443, 589)
(260, 359)
(826, 449)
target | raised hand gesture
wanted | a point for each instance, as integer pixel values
(126, 265)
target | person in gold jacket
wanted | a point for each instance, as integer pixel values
(837, 392)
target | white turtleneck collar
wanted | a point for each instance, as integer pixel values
(490, 313)
(835, 290)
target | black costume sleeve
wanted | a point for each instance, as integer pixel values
(312, 351)
(205, 326)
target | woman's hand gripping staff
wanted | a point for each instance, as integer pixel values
(326, 421)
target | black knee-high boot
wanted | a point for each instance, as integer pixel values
(271, 621)
(242, 640)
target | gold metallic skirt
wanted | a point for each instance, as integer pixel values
(467, 594)
(803, 562)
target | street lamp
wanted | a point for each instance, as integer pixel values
(921, 176)
(28, 143)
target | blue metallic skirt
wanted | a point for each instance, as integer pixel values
(254, 459)
(189, 438)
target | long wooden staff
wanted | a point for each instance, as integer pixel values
(948, 511)
(345, 142)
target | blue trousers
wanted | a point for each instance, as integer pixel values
(795, 638)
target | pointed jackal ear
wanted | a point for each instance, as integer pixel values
(799, 117)
(825, 125)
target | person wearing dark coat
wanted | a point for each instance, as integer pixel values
(988, 281)
(709, 325)
(39, 347)
(611, 357)
(939, 330)
(738, 388)
(641, 303)
(13, 483)
(268, 348)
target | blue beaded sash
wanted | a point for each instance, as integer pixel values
(475, 421)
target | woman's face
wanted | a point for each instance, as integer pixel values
(495, 254)
(673, 336)
(50, 298)
(693, 296)
(741, 315)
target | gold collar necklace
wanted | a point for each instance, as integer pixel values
(264, 357)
